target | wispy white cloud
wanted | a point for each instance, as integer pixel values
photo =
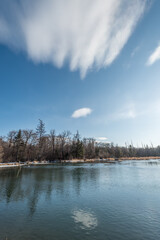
(135, 110)
(135, 50)
(127, 112)
(84, 33)
(155, 56)
(101, 140)
(82, 112)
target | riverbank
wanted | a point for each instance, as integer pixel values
(108, 160)
(11, 165)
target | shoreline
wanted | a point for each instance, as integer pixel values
(108, 160)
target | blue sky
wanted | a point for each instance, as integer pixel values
(100, 58)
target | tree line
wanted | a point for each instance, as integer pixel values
(31, 145)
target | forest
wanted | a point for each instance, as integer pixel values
(36, 145)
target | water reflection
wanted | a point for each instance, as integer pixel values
(85, 219)
(152, 162)
(82, 201)
(142, 163)
(31, 184)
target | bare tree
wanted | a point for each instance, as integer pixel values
(1, 151)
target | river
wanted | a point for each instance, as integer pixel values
(118, 201)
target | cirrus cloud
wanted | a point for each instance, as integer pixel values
(85, 33)
(82, 112)
(154, 57)
(101, 140)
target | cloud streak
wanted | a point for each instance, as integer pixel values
(82, 112)
(102, 140)
(85, 34)
(127, 112)
(154, 57)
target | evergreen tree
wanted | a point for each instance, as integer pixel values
(19, 145)
(118, 152)
(77, 147)
(40, 131)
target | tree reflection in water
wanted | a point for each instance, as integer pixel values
(31, 184)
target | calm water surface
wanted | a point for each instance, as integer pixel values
(83, 201)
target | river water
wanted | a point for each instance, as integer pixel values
(118, 201)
